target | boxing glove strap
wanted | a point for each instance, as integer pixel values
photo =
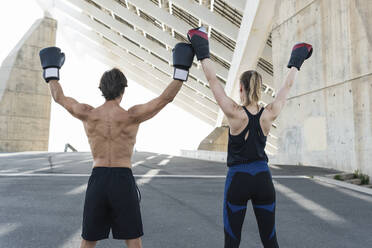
(180, 74)
(51, 73)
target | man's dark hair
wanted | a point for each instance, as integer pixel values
(112, 84)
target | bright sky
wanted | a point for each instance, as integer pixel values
(170, 131)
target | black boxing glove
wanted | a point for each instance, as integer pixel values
(300, 52)
(183, 56)
(51, 60)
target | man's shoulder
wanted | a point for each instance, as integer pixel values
(87, 107)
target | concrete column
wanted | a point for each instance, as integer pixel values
(328, 118)
(24, 96)
(217, 140)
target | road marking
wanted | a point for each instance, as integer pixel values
(54, 166)
(63, 161)
(77, 190)
(8, 228)
(13, 154)
(151, 157)
(180, 176)
(290, 177)
(73, 241)
(137, 163)
(275, 167)
(349, 192)
(84, 161)
(42, 169)
(164, 162)
(27, 159)
(311, 206)
(43, 175)
(148, 176)
(9, 170)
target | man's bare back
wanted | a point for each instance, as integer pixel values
(111, 132)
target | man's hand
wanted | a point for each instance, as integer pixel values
(183, 55)
(51, 60)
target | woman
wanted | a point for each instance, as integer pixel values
(249, 177)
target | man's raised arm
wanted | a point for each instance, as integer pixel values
(76, 109)
(143, 112)
(183, 55)
(52, 59)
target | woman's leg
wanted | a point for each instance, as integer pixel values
(264, 209)
(235, 206)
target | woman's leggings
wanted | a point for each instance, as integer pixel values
(249, 182)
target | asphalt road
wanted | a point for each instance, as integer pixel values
(42, 194)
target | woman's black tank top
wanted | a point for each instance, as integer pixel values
(243, 151)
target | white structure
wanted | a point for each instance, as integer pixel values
(139, 36)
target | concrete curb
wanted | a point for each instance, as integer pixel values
(213, 156)
(344, 185)
(9, 154)
(204, 155)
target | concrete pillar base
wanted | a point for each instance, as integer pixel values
(217, 140)
(24, 96)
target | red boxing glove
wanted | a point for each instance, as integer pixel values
(199, 41)
(300, 52)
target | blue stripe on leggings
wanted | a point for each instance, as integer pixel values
(272, 233)
(269, 207)
(251, 168)
(235, 208)
(226, 221)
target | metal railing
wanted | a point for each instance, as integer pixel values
(68, 146)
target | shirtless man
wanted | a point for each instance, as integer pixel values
(111, 200)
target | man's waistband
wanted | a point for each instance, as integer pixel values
(107, 169)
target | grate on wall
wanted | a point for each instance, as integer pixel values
(266, 66)
(231, 14)
(98, 21)
(118, 18)
(221, 79)
(155, 40)
(224, 40)
(165, 74)
(155, 2)
(269, 41)
(220, 61)
(180, 37)
(160, 58)
(184, 16)
(93, 3)
(122, 2)
(150, 19)
(133, 42)
(136, 56)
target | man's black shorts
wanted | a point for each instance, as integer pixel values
(111, 202)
